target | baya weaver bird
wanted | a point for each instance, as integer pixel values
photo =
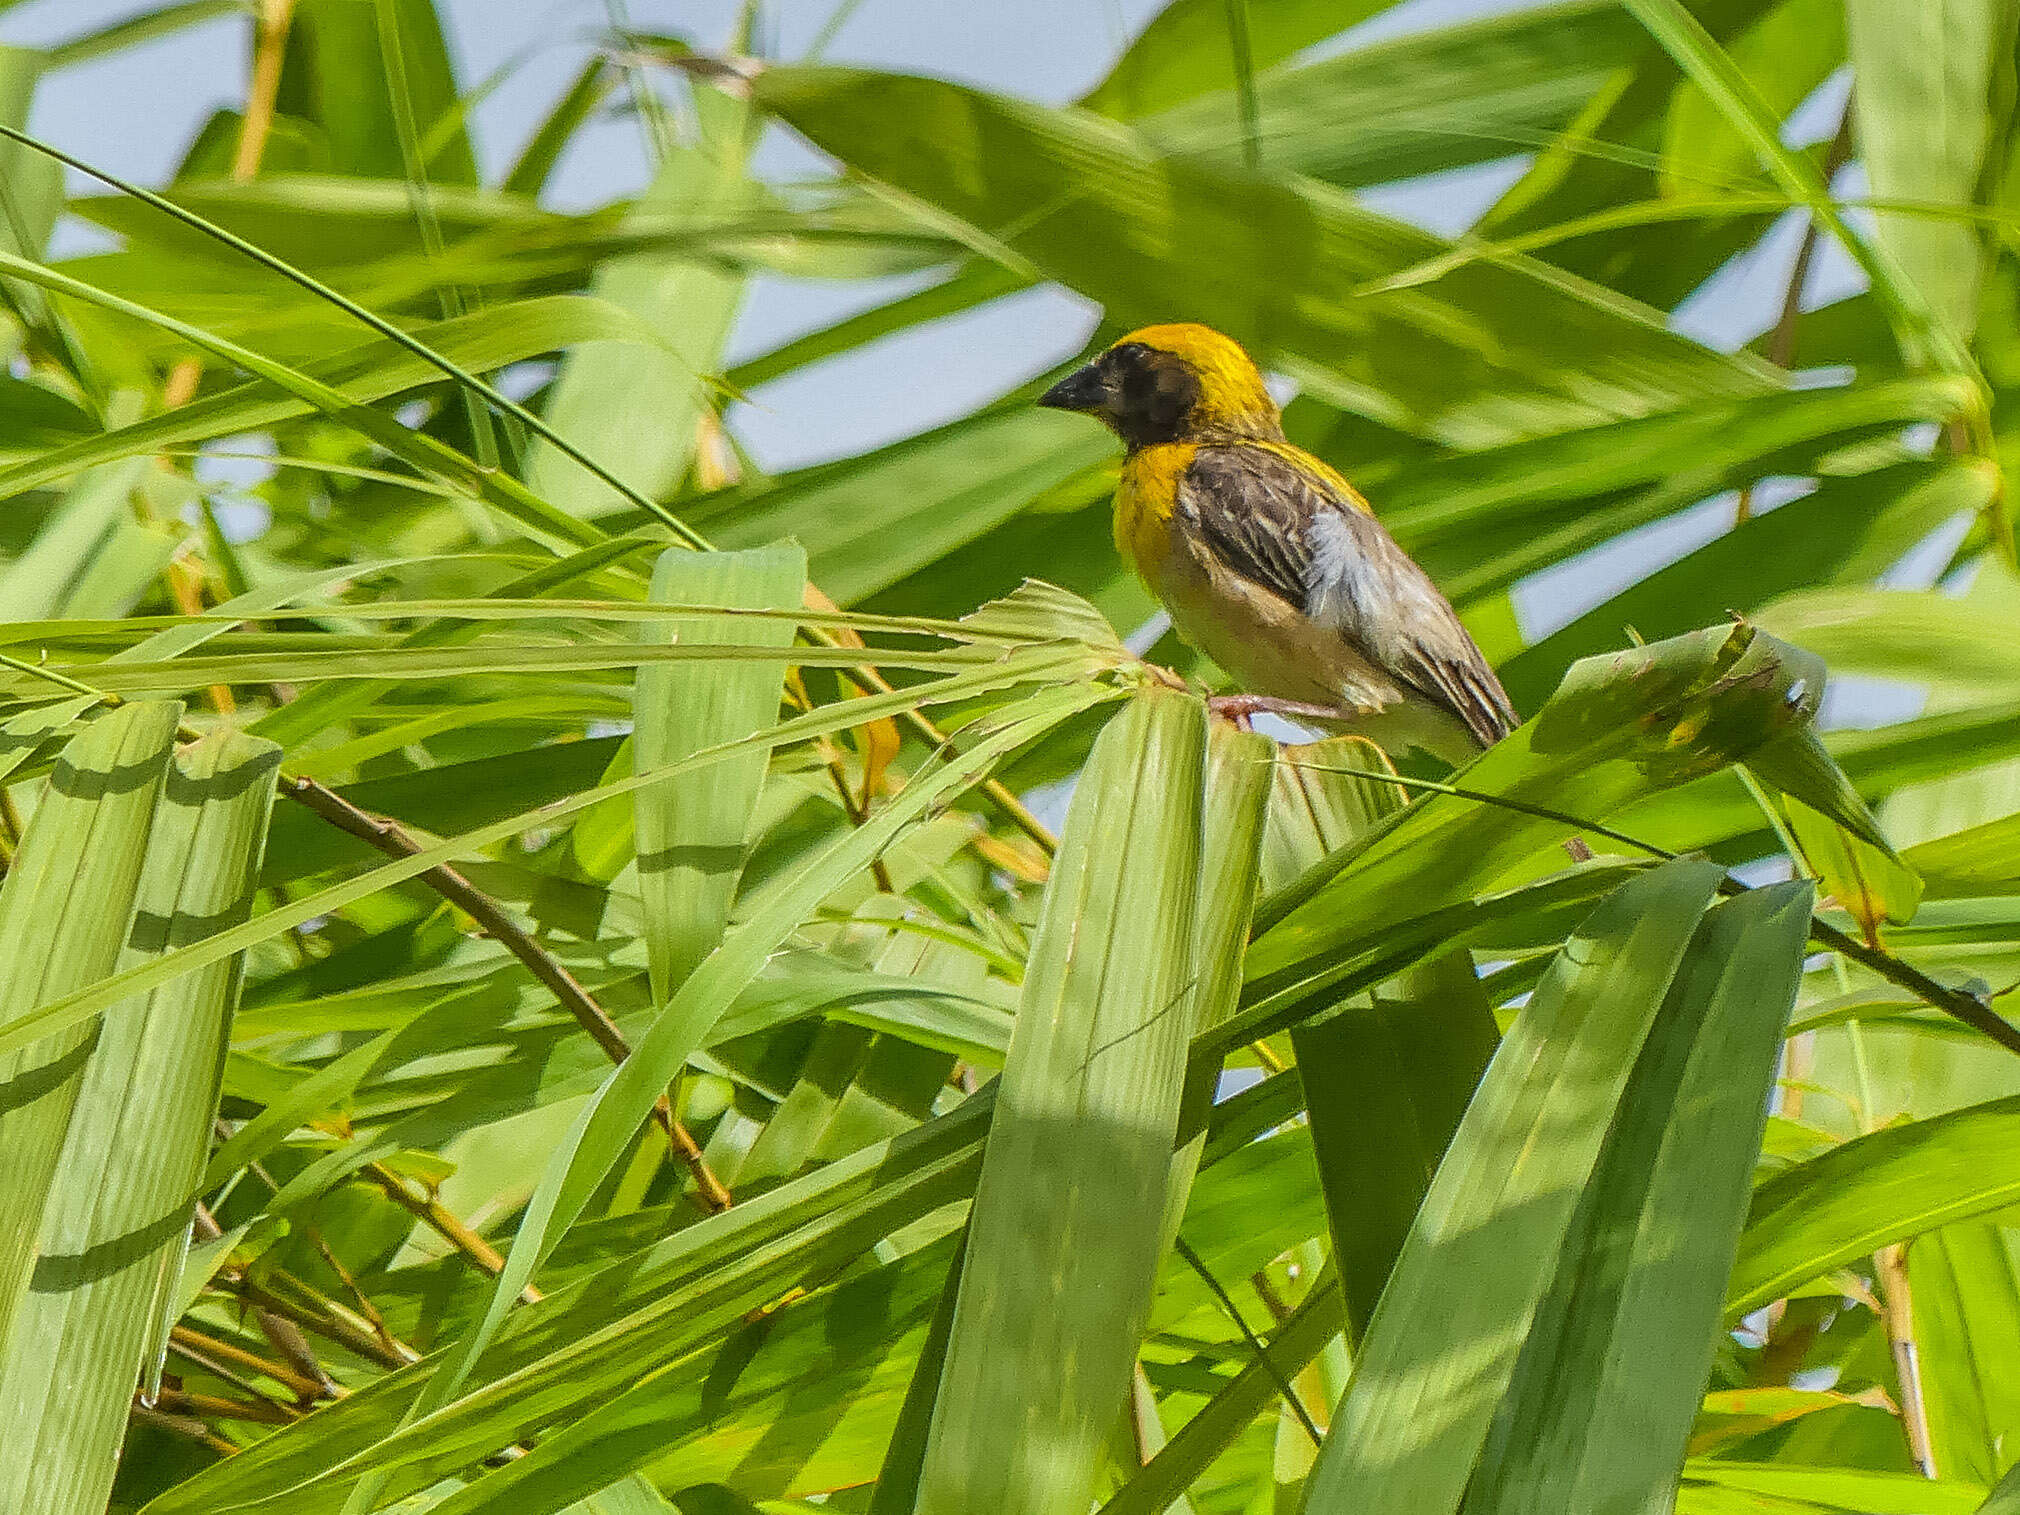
(1269, 561)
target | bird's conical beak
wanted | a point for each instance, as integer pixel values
(1082, 390)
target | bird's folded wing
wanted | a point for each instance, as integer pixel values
(1291, 528)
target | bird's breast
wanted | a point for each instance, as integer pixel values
(1145, 499)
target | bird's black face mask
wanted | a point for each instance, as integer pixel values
(1141, 394)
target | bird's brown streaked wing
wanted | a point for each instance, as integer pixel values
(1252, 508)
(1283, 527)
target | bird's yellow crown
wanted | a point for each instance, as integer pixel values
(1233, 397)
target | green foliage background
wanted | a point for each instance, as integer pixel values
(558, 904)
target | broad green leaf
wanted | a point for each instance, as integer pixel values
(1871, 884)
(46, 579)
(587, 1343)
(371, 371)
(1387, 1080)
(66, 910)
(1183, 52)
(1480, 520)
(1926, 80)
(37, 418)
(603, 1131)
(1916, 635)
(812, 1391)
(1852, 1490)
(1241, 770)
(974, 283)
(692, 830)
(1064, 1239)
(1981, 860)
(1442, 1347)
(639, 410)
(1094, 206)
(75, 1008)
(1965, 1283)
(2005, 1499)
(1786, 54)
(110, 1248)
(871, 520)
(1317, 805)
(629, 1496)
(1385, 1085)
(23, 735)
(433, 459)
(1845, 529)
(1921, 331)
(389, 660)
(335, 76)
(31, 186)
(897, 1486)
(1617, 729)
(1613, 1370)
(1424, 103)
(1202, 1438)
(1891, 1186)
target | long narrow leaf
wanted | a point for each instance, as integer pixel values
(1444, 1341)
(65, 912)
(119, 1210)
(1063, 1243)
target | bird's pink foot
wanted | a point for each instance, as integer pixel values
(1240, 707)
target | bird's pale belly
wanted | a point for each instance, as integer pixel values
(1266, 645)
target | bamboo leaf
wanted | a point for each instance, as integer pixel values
(1385, 1080)
(1619, 728)
(603, 1131)
(1613, 1371)
(1927, 117)
(1922, 334)
(1965, 1284)
(66, 910)
(692, 830)
(1093, 205)
(1063, 1243)
(639, 409)
(2005, 1499)
(1895, 1184)
(1444, 1341)
(103, 1293)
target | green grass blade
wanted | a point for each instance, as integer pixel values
(1063, 1242)
(71, 1009)
(2005, 1499)
(1183, 52)
(601, 1133)
(592, 1340)
(1385, 1080)
(1241, 768)
(1890, 1186)
(604, 390)
(1099, 208)
(1385, 1085)
(65, 911)
(118, 1214)
(1924, 338)
(1620, 727)
(41, 581)
(1928, 115)
(1443, 1345)
(1965, 1284)
(692, 830)
(1612, 1374)
(1300, 1338)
